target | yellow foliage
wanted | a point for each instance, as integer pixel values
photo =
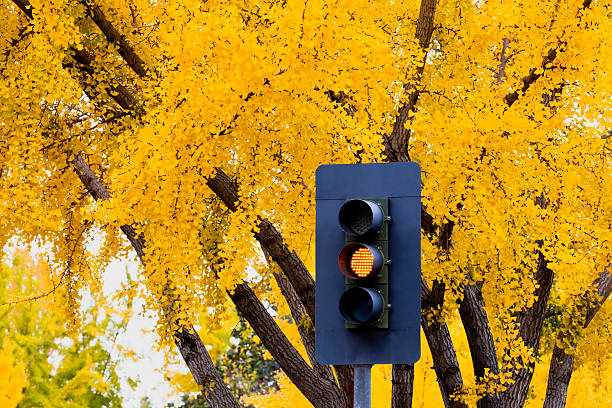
(268, 91)
(12, 376)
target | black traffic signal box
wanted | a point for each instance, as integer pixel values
(368, 271)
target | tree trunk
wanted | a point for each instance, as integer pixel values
(562, 364)
(530, 323)
(203, 369)
(321, 392)
(480, 340)
(441, 346)
(559, 375)
(445, 361)
(402, 385)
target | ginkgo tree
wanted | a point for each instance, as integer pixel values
(188, 133)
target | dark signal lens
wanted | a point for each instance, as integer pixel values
(361, 305)
(360, 217)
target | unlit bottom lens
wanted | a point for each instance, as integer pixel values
(361, 305)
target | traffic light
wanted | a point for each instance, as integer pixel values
(367, 300)
(364, 261)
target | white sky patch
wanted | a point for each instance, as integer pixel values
(138, 338)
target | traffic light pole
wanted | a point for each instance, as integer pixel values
(362, 383)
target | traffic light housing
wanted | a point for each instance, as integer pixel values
(364, 262)
(368, 264)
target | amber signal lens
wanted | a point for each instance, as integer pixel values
(362, 262)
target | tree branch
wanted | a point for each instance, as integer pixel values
(321, 392)
(503, 59)
(533, 76)
(396, 144)
(546, 63)
(186, 338)
(114, 37)
(272, 241)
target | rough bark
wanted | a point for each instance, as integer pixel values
(346, 378)
(203, 369)
(319, 391)
(306, 330)
(302, 321)
(290, 263)
(530, 322)
(445, 361)
(562, 363)
(402, 383)
(559, 375)
(114, 37)
(480, 340)
(424, 27)
(441, 346)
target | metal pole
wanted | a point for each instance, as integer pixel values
(361, 385)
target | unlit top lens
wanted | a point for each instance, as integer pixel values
(360, 217)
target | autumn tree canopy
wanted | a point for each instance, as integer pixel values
(193, 129)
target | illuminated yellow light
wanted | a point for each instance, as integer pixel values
(362, 262)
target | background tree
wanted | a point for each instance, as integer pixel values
(177, 125)
(12, 376)
(51, 368)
